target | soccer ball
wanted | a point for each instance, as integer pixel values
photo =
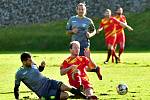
(122, 89)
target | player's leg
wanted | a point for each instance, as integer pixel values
(88, 90)
(109, 52)
(113, 55)
(110, 46)
(90, 95)
(92, 65)
(72, 90)
(121, 44)
(64, 96)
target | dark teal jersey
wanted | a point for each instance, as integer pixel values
(83, 25)
(33, 79)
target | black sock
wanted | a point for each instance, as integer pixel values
(77, 92)
(109, 54)
(93, 70)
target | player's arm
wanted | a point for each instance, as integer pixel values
(91, 30)
(16, 92)
(17, 84)
(124, 24)
(70, 29)
(42, 66)
(64, 71)
(100, 28)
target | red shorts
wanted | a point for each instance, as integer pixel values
(110, 40)
(80, 81)
(120, 38)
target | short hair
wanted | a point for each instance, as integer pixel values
(108, 10)
(81, 4)
(117, 7)
(74, 42)
(24, 56)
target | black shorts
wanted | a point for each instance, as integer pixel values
(53, 92)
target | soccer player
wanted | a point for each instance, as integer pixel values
(81, 28)
(120, 39)
(109, 23)
(44, 87)
(75, 67)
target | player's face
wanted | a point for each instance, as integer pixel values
(75, 49)
(107, 13)
(81, 11)
(28, 63)
(119, 11)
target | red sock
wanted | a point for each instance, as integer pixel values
(120, 51)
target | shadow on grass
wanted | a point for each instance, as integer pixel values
(13, 92)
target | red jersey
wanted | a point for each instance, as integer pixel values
(119, 28)
(81, 61)
(109, 26)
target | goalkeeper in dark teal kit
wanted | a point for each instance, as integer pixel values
(44, 87)
(81, 28)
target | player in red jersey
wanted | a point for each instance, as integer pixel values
(75, 67)
(120, 39)
(109, 23)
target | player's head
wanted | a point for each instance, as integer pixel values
(26, 59)
(74, 48)
(107, 13)
(119, 10)
(81, 9)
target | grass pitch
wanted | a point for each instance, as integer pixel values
(133, 71)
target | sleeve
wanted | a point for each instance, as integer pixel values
(69, 25)
(115, 20)
(17, 79)
(91, 26)
(17, 84)
(64, 65)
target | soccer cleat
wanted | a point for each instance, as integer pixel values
(92, 97)
(98, 73)
(105, 62)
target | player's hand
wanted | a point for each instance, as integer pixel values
(130, 28)
(97, 32)
(88, 35)
(73, 67)
(43, 63)
(87, 52)
(74, 30)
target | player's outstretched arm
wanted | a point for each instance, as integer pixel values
(126, 25)
(42, 66)
(91, 34)
(16, 92)
(98, 30)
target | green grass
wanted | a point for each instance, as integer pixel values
(134, 71)
(52, 36)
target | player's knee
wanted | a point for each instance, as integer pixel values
(64, 96)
